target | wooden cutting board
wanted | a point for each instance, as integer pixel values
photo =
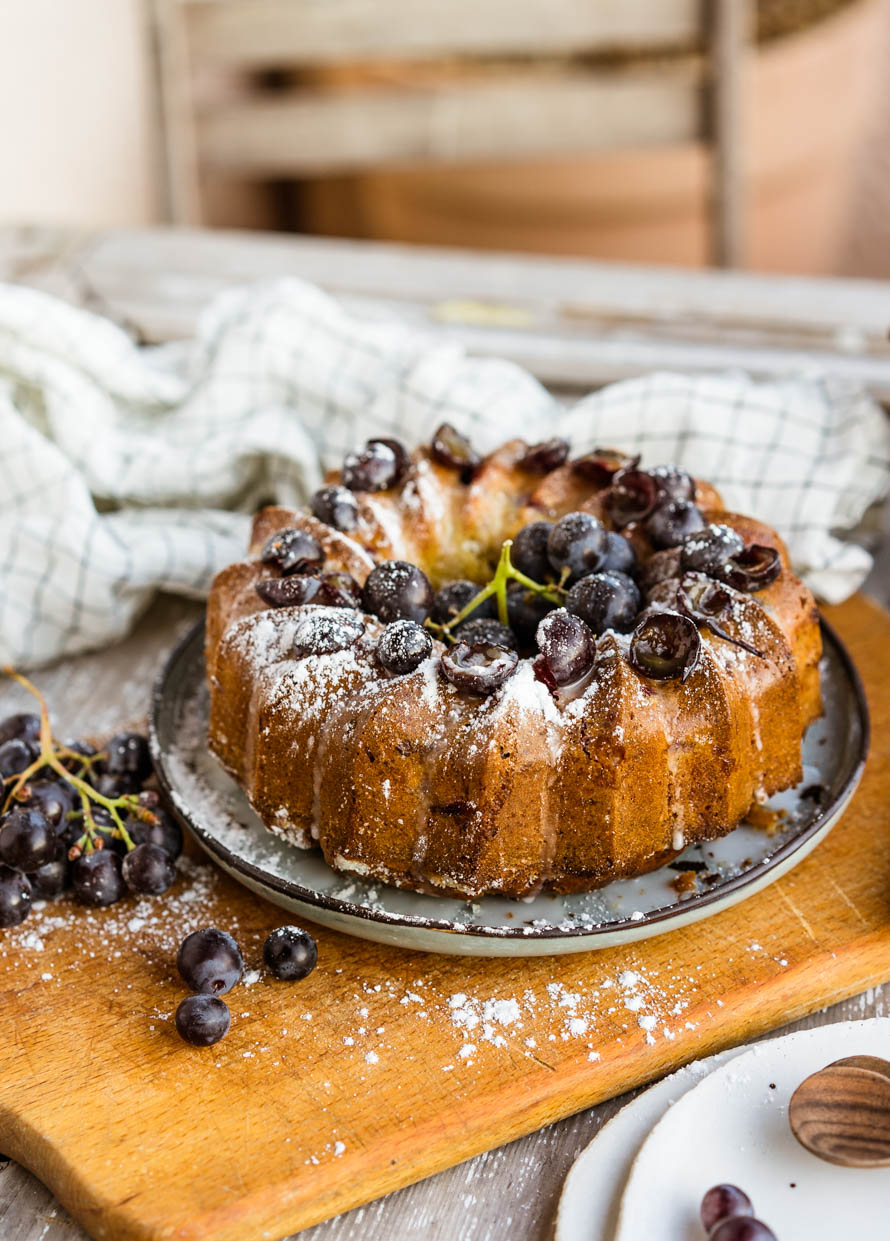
(385, 1065)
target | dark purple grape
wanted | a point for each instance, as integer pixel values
(165, 832)
(701, 598)
(210, 961)
(605, 601)
(525, 609)
(544, 457)
(529, 551)
(450, 448)
(665, 646)
(27, 840)
(15, 897)
(293, 551)
(377, 467)
(567, 644)
(326, 630)
(336, 506)
(738, 1228)
(397, 590)
(672, 522)
(479, 669)
(661, 567)
(288, 592)
(578, 543)
(620, 555)
(723, 1202)
(290, 953)
(53, 798)
(50, 880)
(15, 756)
(129, 755)
(708, 550)
(453, 597)
(601, 465)
(486, 629)
(203, 1020)
(676, 484)
(751, 570)
(22, 727)
(96, 878)
(115, 785)
(148, 869)
(339, 590)
(87, 751)
(403, 646)
(632, 496)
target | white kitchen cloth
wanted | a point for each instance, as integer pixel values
(129, 469)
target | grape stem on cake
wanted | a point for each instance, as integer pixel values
(470, 675)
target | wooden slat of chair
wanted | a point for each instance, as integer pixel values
(314, 132)
(521, 114)
(256, 33)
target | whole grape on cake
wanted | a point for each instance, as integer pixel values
(467, 675)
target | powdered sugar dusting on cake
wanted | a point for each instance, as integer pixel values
(266, 637)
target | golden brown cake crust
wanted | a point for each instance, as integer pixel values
(411, 781)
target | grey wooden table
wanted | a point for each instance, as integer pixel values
(575, 325)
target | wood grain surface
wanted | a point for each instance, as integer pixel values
(143, 1137)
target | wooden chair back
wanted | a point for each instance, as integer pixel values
(302, 130)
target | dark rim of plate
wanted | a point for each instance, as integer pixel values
(184, 654)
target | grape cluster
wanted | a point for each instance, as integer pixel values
(79, 819)
(210, 964)
(727, 1214)
(574, 565)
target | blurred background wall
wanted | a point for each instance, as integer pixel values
(83, 138)
(78, 119)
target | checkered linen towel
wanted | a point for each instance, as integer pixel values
(128, 469)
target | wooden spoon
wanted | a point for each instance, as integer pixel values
(842, 1113)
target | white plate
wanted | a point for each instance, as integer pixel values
(726, 1119)
(211, 804)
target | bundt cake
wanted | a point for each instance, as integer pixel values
(465, 675)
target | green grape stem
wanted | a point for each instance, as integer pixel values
(49, 757)
(505, 572)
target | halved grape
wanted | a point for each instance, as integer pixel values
(480, 668)
(544, 457)
(754, 568)
(632, 496)
(601, 465)
(665, 646)
(449, 447)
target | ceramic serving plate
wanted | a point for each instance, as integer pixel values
(636, 1179)
(213, 807)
